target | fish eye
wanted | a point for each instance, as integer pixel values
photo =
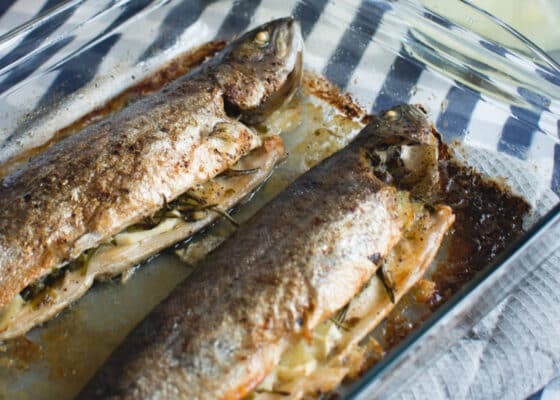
(262, 38)
(392, 115)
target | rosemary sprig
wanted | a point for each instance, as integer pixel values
(41, 285)
(190, 194)
(238, 172)
(225, 214)
(386, 285)
(165, 205)
(339, 318)
(185, 205)
(278, 392)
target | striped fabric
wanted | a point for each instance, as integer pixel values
(116, 31)
(91, 50)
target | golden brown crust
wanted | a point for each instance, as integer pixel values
(166, 73)
(90, 186)
(110, 261)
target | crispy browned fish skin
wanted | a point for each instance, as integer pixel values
(225, 192)
(90, 186)
(299, 259)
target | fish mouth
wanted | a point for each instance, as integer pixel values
(280, 97)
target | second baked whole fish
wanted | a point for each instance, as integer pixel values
(294, 265)
(78, 196)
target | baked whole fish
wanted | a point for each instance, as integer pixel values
(78, 196)
(294, 265)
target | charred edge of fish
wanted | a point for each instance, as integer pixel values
(375, 258)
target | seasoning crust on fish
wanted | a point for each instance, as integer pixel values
(180, 219)
(87, 188)
(293, 265)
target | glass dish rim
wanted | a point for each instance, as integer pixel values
(530, 45)
(39, 19)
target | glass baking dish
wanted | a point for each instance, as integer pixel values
(500, 105)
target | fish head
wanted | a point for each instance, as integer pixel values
(404, 124)
(262, 69)
(402, 147)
